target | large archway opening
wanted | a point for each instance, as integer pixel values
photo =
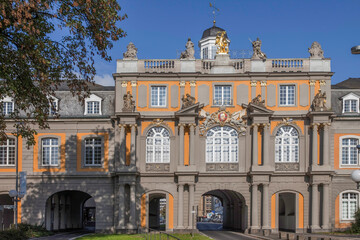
(6, 211)
(287, 211)
(222, 210)
(68, 210)
(157, 211)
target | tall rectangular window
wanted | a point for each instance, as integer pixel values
(50, 151)
(287, 95)
(7, 108)
(158, 96)
(93, 107)
(7, 152)
(222, 95)
(205, 53)
(349, 151)
(53, 108)
(350, 106)
(93, 151)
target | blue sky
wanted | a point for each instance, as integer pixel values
(160, 29)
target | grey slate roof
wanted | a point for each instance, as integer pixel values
(350, 83)
(211, 32)
(93, 87)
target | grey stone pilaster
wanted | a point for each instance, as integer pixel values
(255, 146)
(263, 89)
(265, 215)
(182, 90)
(254, 208)
(121, 217)
(326, 207)
(312, 90)
(314, 207)
(133, 147)
(326, 160)
(180, 224)
(181, 144)
(192, 88)
(191, 204)
(314, 156)
(192, 145)
(266, 135)
(133, 92)
(132, 206)
(122, 152)
(253, 89)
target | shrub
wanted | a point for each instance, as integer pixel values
(355, 227)
(24, 231)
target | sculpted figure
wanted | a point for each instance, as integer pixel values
(258, 54)
(319, 102)
(315, 51)
(131, 52)
(189, 51)
(257, 101)
(187, 100)
(221, 42)
(129, 104)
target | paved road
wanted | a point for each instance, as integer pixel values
(215, 231)
(63, 236)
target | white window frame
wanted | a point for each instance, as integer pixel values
(93, 98)
(341, 152)
(7, 146)
(51, 152)
(93, 146)
(164, 137)
(350, 97)
(53, 101)
(211, 143)
(294, 148)
(5, 101)
(223, 103)
(342, 219)
(287, 97)
(158, 96)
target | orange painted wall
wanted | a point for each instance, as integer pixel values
(295, 108)
(318, 144)
(13, 168)
(300, 124)
(259, 147)
(186, 147)
(338, 224)
(144, 125)
(301, 211)
(337, 149)
(143, 211)
(19, 212)
(273, 211)
(36, 164)
(171, 211)
(128, 146)
(105, 167)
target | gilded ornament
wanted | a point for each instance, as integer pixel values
(322, 82)
(182, 83)
(222, 43)
(253, 83)
(124, 83)
(312, 82)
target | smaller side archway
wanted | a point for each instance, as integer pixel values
(67, 210)
(157, 210)
(6, 211)
(287, 211)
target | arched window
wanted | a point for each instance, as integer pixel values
(287, 145)
(349, 205)
(158, 145)
(222, 144)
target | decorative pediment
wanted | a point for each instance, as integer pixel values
(190, 110)
(257, 109)
(223, 117)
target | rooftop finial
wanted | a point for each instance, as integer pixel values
(212, 5)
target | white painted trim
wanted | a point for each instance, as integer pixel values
(340, 204)
(355, 166)
(350, 96)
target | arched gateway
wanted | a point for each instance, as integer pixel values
(70, 210)
(233, 212)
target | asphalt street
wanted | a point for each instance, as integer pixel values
(215, 231)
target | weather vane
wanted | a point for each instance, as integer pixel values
(212, 5)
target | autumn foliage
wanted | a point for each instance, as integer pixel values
(44, 44)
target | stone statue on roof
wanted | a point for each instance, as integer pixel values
(315, 51)
(257, 53)
(257, 101)
(189, 51)
(131, 52)
(187, 101)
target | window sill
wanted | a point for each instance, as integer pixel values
(349, 166)
(92, 166)
(217, 106)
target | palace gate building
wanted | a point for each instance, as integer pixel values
(271, 138)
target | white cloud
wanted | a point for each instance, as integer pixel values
(105, 80)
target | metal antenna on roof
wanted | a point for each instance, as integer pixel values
(212, 5)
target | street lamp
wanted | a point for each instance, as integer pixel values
(355, 49)
(355, 176)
